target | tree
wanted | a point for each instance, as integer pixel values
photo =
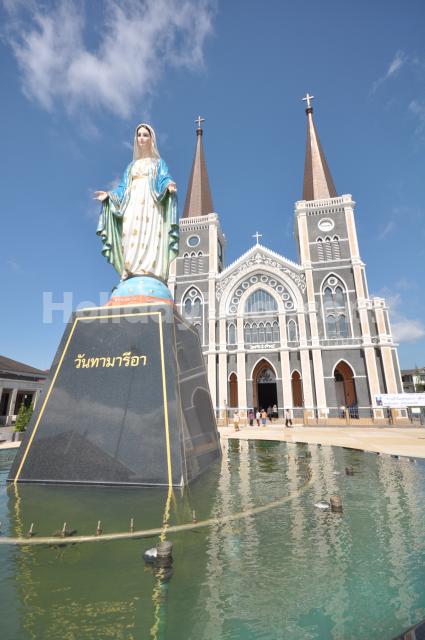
(23, 417)
(420, 380)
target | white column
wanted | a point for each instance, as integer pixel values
(241, 372)
(282, 331)
(36, 398)
(11, 407)
(306, 380)
(387, 361)
(319, 381)
(223, 400)
(352, 233)
(241, 367)
(372, 376)
(286, 380)
(212, 381)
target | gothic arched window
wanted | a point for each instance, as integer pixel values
(292, 331)
(231, 334)
(330, 326)
(336, 251)
(335, 308)
(192, 306)
(320, 253)
(342, 326)
(339, 297)
(260, 302)
(187, 307)
(247, 333)
(328, 249)
(261, 333)
(269, 334)
(328, 300)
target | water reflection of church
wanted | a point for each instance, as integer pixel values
(304, 335)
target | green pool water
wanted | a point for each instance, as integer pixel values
(287, 572)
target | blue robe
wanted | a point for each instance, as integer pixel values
(110, 223)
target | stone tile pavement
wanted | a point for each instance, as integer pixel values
(404, 441)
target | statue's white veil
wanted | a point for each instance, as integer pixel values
(136, 149)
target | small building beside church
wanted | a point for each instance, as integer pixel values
(302, 335)
(19, 384)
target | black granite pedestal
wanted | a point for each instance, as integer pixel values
(126, 402)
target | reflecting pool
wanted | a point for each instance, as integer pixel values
(269, 565)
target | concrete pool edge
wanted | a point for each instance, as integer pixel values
(399, 441)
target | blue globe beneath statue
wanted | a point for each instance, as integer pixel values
(140, 289)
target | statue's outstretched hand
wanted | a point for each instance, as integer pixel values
(100, 195)
(172, 187)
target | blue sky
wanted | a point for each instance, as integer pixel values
(77, 76)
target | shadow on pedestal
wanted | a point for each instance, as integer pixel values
(127, 402)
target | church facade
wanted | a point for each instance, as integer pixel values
(301, 335)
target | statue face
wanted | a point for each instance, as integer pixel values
(143, 139)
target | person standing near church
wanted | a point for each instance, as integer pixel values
(288, 418)
(251, 417)
(263, 417)
(236, 420)
(257, 417)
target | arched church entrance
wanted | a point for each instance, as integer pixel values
(345, 387)
(233, 390)
(297, 389)
(264, 385)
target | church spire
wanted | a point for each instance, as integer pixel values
(198, 197)
(318, 181)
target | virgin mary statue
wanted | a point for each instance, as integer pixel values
(138, 222)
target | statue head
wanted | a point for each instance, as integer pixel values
(144, 142)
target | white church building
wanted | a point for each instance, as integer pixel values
(303, 335)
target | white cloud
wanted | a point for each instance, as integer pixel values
(395, 65)
(139, 39)
(390, 226)
(398, 61)
(14, 266)
(417, 108)
(404, 329)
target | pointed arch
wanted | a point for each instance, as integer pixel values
(344, 362)
(252, 270)
(233, 390)
(292, 330)
(231, 333)
(320, 251)
(345, 386)
(264, 388)
(267, 364)
(297, 389)
(335, 302)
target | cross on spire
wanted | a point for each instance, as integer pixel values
(257, 236)
(199, 121)
(308, 99)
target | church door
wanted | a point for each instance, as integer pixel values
(297, 389)
(265, 389)
(345, 387)
(233, 390)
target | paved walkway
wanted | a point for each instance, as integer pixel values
(404, 441)
(9, 445)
